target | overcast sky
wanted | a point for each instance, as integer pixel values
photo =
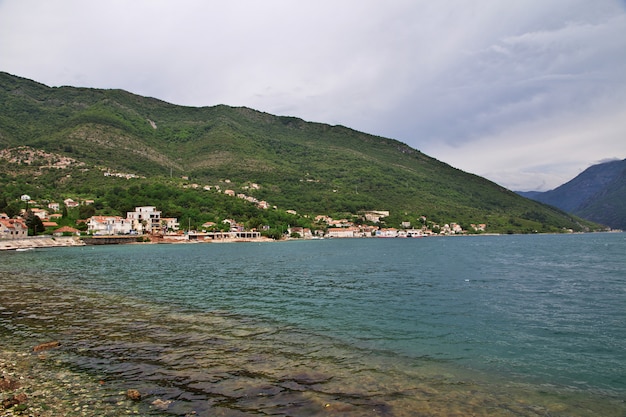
(526, 93)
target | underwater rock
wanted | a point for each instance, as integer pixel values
(46, 346)
(15, 400)
(133, 394)
(7, 384)
(162, 404)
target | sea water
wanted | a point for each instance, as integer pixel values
(481, 325)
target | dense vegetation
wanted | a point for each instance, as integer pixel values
(308, 167)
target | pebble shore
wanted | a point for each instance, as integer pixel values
(34, 384)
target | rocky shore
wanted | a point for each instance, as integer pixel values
(40, 242)
(68, 241)
(32, 384)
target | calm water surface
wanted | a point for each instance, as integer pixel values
(486, 325)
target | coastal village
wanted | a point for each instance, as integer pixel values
(147, 224)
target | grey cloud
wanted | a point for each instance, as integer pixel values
(461, 81)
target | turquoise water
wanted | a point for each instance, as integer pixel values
(485, 325)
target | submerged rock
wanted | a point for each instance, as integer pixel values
(133, 394)
(162, 404)
(46, 346)
(7, 384)
(15, 400)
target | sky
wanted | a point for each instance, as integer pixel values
(526, 93)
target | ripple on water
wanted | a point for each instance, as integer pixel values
(217, 363)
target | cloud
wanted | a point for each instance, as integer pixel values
(524, 77)
(461, 81)
(542, 154)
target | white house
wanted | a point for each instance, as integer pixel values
(301, 231)
(388, 232)
(109, 225)
(145, 219)
(69, 203)
(170, 223)
(42, 214)
(452, 228)
(343, 232)
(414, 233)
(375, 215)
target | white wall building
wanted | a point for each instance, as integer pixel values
(145, 219)
(109, 225)
(170, 223)
(12, 229)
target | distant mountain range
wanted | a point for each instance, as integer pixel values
(597, 194)
(123, 150)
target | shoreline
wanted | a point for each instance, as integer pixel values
(42, 242)
(38, 242)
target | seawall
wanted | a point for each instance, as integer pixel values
(40, 242)
(110, 240)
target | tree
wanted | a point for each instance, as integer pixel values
(34, 223)
(12, 209)
(86, 211)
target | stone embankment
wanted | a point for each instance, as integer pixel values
(40, 242)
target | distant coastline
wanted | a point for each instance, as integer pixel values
(40, 242)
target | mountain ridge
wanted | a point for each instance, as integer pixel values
(597, 194)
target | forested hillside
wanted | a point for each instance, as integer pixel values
(123, 150)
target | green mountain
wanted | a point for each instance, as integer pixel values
(60, 142)
(597, 194)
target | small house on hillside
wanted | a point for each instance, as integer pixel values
(69, 203)
(13, 229)
(42, 214)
